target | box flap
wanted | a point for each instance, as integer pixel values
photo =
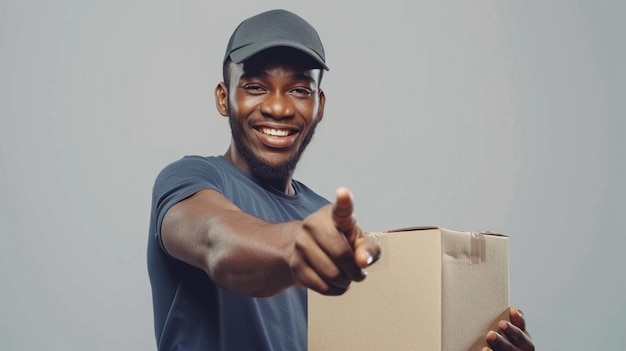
(429, 227)
(409, 229)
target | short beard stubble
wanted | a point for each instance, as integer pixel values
(273, 175)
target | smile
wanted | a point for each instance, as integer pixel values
(276, 132)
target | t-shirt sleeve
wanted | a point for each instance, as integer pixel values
(180, 180)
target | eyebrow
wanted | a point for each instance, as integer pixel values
(263, 74)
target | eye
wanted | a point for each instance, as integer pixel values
(254, 89)
(301, 92)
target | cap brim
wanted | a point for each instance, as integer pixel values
(243, 53)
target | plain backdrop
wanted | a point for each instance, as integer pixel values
(472, 115)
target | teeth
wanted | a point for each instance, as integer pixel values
(275, 132)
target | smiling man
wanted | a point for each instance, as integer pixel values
(235, 241)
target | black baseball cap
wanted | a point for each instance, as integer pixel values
(271, 29)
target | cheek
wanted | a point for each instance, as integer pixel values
(309, 110)
(244, 104)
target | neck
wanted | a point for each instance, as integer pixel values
(282, 186)
(274, 180)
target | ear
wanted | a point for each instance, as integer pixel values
(221, 99)
(320, 110)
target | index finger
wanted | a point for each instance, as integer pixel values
(343, 216)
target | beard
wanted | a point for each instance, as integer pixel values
(259, 168)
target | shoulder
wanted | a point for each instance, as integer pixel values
(189, 173)
(190, 166)
(193, 162)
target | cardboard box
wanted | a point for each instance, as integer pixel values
(433, 289)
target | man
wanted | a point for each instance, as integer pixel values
(235, 241)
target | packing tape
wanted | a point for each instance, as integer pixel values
(478, 249)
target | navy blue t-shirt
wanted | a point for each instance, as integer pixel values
(190, 311)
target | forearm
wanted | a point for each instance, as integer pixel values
(248, 255)
(239, 252)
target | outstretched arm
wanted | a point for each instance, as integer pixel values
(325, 252)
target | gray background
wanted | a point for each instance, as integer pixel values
(471, 115)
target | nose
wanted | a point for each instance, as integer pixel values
(277, 106)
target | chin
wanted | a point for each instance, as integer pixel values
(276, 161)
(268, 167)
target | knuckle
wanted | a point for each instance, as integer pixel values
(294, 265)
(299, 244)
